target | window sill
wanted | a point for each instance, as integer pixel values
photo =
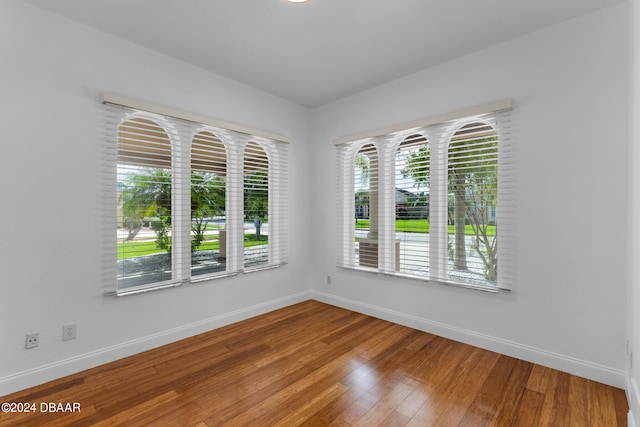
(488, 288)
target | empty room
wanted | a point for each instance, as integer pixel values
(321, 212)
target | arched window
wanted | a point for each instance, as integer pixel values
(472, 177)
(208, 204)
(197, 198)
(425, 199)
(144, 174)
(412, 196)
(256, 205)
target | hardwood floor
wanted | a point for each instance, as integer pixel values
(313, 364)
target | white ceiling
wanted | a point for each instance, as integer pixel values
(317, 52)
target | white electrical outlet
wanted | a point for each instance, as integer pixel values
(69, 331)
(31, 340)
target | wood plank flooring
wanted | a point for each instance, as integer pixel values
(313, 364)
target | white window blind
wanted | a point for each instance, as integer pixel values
(178, 192)
(208, 205)
(367, 205)
(256, 205)
(427, 201)
(412, 175)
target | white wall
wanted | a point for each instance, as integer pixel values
(567, 309)
(53, 71)
(633, 300)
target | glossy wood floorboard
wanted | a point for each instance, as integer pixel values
(313, 364)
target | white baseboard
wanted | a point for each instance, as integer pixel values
(633, 398)
(59, 369)
(582, 368)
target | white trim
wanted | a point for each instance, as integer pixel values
(72, 365)
(633, 398)
(571, 365)
(424, 279)
(493, 107)
(125, 101)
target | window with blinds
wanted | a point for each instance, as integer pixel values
(193, 201)
(412, 205)
(144, 176)
(208, 205)
(428, 200)
(256, 205)
(472, 177)
(366, 207)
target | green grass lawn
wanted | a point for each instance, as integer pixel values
(422, 226)
(135, 249)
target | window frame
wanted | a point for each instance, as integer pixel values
(438, 132)
(182, 128)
